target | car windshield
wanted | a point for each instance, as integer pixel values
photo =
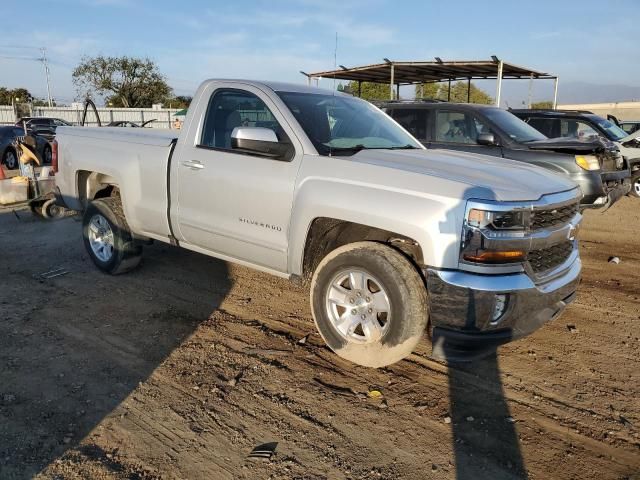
(613, 131)
(516, 129)
(341, 125)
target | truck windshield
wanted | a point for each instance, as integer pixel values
(517, 130)
(340, 125)
(612, 131)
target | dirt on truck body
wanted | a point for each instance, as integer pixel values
(137, 377)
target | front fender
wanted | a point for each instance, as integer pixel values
(434, 223)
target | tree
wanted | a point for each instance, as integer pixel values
(459, 90)
(20, 95)
(428, 90)
(123, 81)
(369, 90)
(546, 104)
(179, 101)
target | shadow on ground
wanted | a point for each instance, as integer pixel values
(62, 372)
(484, 433)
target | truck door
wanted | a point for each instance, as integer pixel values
(230, 203)
(458, 130)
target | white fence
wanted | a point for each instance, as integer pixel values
(163, 117)
(622, 110)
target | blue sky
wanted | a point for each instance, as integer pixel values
(581, 41)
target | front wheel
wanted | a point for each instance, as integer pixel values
(369, 303)
(635, 184)
(107, 237)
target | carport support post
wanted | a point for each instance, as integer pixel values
(398, 91)
(391, 83)
(499, 87)
(555, 92)
(469, 90)
(530, 90)
(449, 92)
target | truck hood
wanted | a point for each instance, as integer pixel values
(491, 178)
(632, 141)
(571, 145)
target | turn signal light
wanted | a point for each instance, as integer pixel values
(490, 256)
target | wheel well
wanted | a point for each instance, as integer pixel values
(93, 185)
(327, 234)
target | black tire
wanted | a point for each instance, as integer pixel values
(46, 155)
(635, 184)
(125, 253)
(10, 159)
(406, 293)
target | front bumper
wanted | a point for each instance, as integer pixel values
(462, 306)
(601, 189)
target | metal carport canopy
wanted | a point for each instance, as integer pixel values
(407, 73)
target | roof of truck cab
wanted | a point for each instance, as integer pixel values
(281, 86)
(434, 105)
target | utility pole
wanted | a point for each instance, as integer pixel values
(46, 72)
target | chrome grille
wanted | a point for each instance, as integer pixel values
(550, 257)
(553, 216)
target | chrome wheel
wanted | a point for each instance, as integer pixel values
(358, 306)
(636, 186)
(101, 238)
(10, 160)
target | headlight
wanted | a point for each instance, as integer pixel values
(483, 226)
(588, 162)
(483, 219)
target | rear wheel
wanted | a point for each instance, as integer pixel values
(10, 159)
(635, 184)
(369, 303)
(107, 237)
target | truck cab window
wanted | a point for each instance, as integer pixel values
(229, 109)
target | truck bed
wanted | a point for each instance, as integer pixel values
(136, 158)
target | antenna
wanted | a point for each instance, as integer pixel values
(46, 72)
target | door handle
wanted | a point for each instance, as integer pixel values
(193, 164)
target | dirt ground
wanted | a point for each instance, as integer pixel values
(179, 369)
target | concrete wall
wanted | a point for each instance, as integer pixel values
(621, 110)
(164, 117)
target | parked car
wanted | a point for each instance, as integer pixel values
(128, 123)
(307, 183)
(630, 126)
(8, 153)
(583, 124)
(42, 121)
(595, 165)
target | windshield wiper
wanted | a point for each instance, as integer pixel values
(408, 146)
(353, 150)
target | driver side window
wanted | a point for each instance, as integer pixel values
(458, 127)
(230, 108)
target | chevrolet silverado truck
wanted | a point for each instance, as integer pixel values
(398, 243)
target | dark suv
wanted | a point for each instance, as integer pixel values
(594, 164)
(583, 124)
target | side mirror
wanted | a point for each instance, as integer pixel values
(486, 139)
(261, 141)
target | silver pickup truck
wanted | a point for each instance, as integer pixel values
(399, 243)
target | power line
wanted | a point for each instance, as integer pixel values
(43, 59)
